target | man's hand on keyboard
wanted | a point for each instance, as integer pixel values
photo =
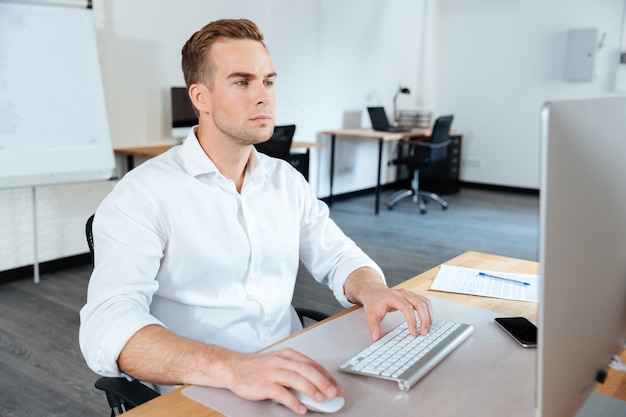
(365, 286)
(381, 301)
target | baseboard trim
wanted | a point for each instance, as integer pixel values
(357, 193)
(45, 267)
(505, 188)
(85, 258)
(462, 184)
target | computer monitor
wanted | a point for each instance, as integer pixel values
(582, 310)
(183, 115)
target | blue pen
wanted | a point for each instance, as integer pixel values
(512, 281)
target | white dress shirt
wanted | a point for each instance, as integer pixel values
(177, 245)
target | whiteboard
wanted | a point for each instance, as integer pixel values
(53, 120)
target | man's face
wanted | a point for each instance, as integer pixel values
(242, 94)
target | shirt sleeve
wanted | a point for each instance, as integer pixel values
(327, 253)
(122, 283)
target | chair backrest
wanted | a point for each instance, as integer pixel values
(441, 129)
(279, 144)
(89, 237)
(440, 133)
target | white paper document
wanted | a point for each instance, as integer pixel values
(509, 285)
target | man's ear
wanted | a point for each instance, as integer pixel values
(199, 96)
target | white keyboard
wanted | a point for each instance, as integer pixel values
(400, 357)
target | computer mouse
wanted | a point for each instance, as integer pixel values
(329, 405)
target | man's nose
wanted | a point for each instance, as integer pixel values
(263, 95)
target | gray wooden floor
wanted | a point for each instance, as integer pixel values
(42, 372)
(405, 243)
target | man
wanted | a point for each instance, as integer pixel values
(197, 250)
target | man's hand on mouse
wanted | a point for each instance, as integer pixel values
(273, 375)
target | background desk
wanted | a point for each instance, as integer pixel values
(299, 160)
(175, 403)
(443, 179)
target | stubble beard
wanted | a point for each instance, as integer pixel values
(237, 131)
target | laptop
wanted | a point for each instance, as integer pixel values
(379, 120)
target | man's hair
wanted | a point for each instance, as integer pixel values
(196, 60)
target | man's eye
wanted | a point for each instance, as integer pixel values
(269, 83)
(242, 83)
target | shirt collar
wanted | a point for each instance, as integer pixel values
(197, 162)
(256, 168)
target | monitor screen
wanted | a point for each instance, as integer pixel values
(183, 116)
(582, 310)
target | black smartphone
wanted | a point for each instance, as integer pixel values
(520, 328)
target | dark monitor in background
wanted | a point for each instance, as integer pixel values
(582, 309)
(183, 116)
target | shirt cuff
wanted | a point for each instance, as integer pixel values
(106, 343)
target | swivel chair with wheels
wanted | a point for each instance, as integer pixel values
(423, 154)
(124, 394)
(279, 144)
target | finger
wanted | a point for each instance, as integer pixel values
(307, 361)
(423, 308)
(309, 376)
(374, 318)
(425, 315)
(407, 307)
(375, 330)
(284, 379)
(289, 400)
(410, 303)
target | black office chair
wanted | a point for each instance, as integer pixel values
(123, 394)
(421, 154)
(279, 144)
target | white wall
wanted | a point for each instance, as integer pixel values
(140, 43)
(139, 46)
(331, 58)
(368, 48)
(499, 61)
(490, 62)
(61, 212)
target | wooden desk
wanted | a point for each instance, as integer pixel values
(615, 383)
(175, 403)
(152, 151)
(367, 134)
(422, 282)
